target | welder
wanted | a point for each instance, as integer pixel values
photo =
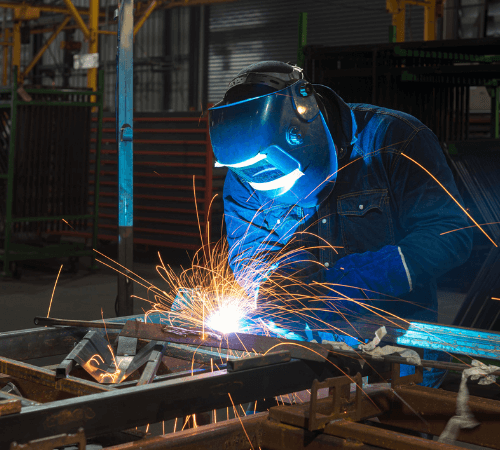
(352, 175)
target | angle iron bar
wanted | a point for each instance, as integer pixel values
(24, 345)
(46, 377)
(437, 406)
(110, 411)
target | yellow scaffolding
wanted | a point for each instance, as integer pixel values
(433, 9)
(23, 12)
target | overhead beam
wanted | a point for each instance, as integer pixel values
(49, 8)
(78, 18)
(37, 57)
(149, 10)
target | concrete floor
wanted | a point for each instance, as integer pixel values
(79, 295)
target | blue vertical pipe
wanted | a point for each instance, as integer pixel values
(124, 131)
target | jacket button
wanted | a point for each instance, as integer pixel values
(278, 221)
(323, 221)
(327, 264)
(361, 206)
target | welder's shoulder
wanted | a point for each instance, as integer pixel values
(380, 119)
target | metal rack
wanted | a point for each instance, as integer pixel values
(45, 170)
(429, 80)
(170, 151)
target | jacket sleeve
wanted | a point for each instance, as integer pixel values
(424, 193)
(426, 197)
(257, 247)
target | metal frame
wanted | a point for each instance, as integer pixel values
(20, 252)
(433, 9)
(95, 409)
(90, 29)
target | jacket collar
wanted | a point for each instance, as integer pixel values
(341, 120)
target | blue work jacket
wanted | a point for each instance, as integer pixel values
(381, 197)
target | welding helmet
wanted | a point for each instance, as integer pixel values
(271, 132)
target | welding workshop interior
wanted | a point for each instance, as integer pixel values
(252, 225)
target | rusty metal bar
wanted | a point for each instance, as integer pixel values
(10, 406)
(49, 321)
(235, 341)
(51, 39)
(158, 401)
(437, 406)
(229, 434)
(46, 377)
(391, 440)
(35, 343)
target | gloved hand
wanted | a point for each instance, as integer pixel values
(296, 265)
(353, 279)
(181, 309)
(378, 274)
(369, 275)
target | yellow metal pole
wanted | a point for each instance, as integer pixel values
(16, 51)
(93, 43)
(430, 20)
(399, 20)
(6, 62)
(397, 9)
(151, 7)
(45, 47)
(78, 18)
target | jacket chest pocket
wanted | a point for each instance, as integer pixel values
(365, 219)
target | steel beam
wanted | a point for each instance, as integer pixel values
(16, 50)
(234, 341)
(117, 410)
(124, 131)
(93, 43)
(40, 53)
(36, 343)
(149, 10)
(49, 8)
(46, 377)
(78, 18)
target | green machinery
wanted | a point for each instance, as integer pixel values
(49, 173)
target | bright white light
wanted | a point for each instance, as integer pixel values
(227, 319)
(301, 109)
(249, 162)
(286, 182)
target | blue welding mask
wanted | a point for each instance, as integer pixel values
(278, 143)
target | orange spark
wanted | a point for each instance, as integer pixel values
(451, 196)
(239, 418)
(54, 290)
(471, 226)
(66, 222)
